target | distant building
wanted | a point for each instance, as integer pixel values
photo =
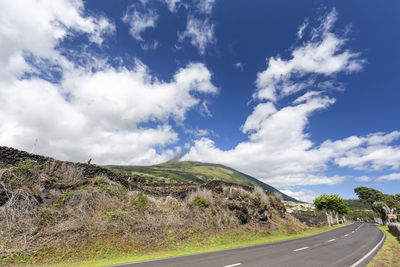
(298, 206)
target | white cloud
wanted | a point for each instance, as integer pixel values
(36, 27)
(322, 55)
(371, 152)
(171, 4)
(279, 150)
(363, 179)
(304, 195)
(389, 177)
(96, 110)
(205, 6)
(150, 46)
(200, 33)
(239, 66)
(139, 21)
(300, 31)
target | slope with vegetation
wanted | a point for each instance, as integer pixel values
(56, 211)
(196, 172)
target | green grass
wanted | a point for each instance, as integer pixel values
(389, 254)
(198, 244)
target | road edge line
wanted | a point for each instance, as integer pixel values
(228, 249)
(372, 251)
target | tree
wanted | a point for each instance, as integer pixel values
(381, 209)
(368, 195)
(391, 201)
(331, 204)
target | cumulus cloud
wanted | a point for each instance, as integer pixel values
(94, 110)
(303, 195)
(139, 21)
(324, 54)
(200, 32)
(279, 150)
(36, 27)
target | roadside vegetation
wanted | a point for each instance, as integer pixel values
(381, 204)
(388, 255)
(54, 211)
(199, 244)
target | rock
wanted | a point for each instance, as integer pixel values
(263, 215)
(394, 228)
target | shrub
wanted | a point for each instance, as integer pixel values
(200, 202)
(202, 193)
(66, 194)
(264, 206)
(25, 168)
(272, 198)
(113, 215)
(141, 202)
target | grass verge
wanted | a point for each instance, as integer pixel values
(389, 254)
(198, 244)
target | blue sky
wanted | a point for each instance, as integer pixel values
(302, 95)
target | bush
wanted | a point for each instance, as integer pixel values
(25, 168)
(65, 195)
(264, 206)
(200, 202)
(141, 202)
(203, 194)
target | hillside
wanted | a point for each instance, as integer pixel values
(196, 172)
(357, 204)
(53, 211)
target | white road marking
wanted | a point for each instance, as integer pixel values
(300, 249)
(332, 240)
(372, 251)
(346, 235)
(235, 264)
(352, 232)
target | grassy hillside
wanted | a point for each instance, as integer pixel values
(196, 172)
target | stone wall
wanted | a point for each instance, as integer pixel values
(394, 228)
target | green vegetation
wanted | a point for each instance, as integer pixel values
(25, 168)
(371, 195)
(380, 203)
(388, 255)
(200, 202)
(195, 172)
(66, 194)
(357, 204)
(363, 215)
(141, 202)
(103, 253)
(331, 204)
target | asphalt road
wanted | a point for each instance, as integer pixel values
(351, 245)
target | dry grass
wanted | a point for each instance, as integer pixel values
(201, 192)
(260, 193)
(110, 217)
